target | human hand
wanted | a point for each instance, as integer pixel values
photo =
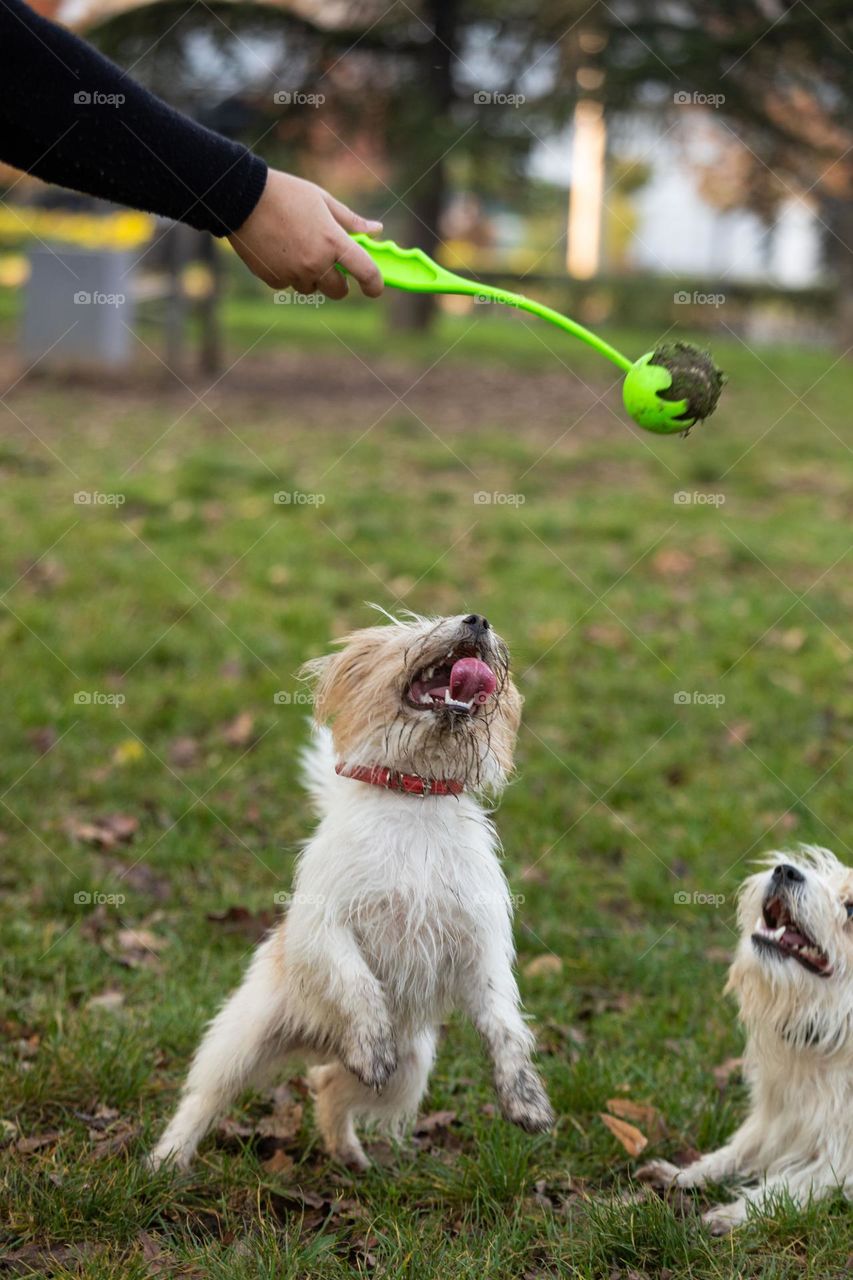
(295, 235)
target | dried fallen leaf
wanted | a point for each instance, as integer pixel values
(106, 831)
(35, 1143)
(739, 732)
(140, 940)
(282, 1123)
(541, 965)
(627, 1134)
(724, 1072)
(43, 738)
(238, 733)
(435, 1120)
(672, 563)
(251, 925)
(183, 752)
(640, 1112)
(279, 1162)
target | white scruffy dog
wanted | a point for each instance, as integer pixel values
(793, 977)
(400, 910)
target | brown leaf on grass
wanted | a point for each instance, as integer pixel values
(42, 738)
(141, 878)
(38, 1140)
(627, 1134)
(46, 1260)
(542, 965)
(239, 731)
(435, 1120)
(718, 955)
(670, 562)
(183, 752)
(640, 1112)
(739, 732)
(279, 1162)
(161, 1262)
(251, 925)
(136, 948)
(140, 939)
(107, 831)
(726, 1070)
(283, 1122)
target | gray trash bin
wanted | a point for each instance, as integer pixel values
(77, 304)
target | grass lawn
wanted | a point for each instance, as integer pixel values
(687, 677)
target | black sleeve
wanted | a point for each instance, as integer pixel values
(72, 117)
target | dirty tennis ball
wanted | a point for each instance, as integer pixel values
(671, 388)
(695, 378)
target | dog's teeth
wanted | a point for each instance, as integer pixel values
(779, 933)
(426, 699)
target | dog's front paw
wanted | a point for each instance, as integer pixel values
(724, 1218)
(166, 1156)
(659, 1174)
(524, 1101)
(371, 1055)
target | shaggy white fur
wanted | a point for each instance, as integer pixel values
(793, 978)
(400, 911)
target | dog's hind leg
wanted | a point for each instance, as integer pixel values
(249, 1034)
(340, 1098)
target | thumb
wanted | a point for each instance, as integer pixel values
(347, 219)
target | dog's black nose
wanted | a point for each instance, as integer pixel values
(477, 623)
(787, 875)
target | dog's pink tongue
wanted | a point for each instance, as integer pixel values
(472, 680)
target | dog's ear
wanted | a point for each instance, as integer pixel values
(320, 673)
(338, 678)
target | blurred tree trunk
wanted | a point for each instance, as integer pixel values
(427, 184)
(837, 215)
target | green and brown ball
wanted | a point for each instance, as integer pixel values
(670, 389)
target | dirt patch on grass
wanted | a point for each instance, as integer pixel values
(336, 390)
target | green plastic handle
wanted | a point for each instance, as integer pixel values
(415, 271)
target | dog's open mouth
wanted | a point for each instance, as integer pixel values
(459, 682)
(779, 931)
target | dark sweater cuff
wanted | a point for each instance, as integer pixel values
(227, 204)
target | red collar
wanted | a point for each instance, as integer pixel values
(409, 784)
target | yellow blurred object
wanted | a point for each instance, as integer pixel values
(197, 281)
(84, 230)
(14, 271)
(128, 751)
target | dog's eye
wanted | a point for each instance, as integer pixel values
(849, 908)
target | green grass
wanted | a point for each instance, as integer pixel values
(197, 600)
